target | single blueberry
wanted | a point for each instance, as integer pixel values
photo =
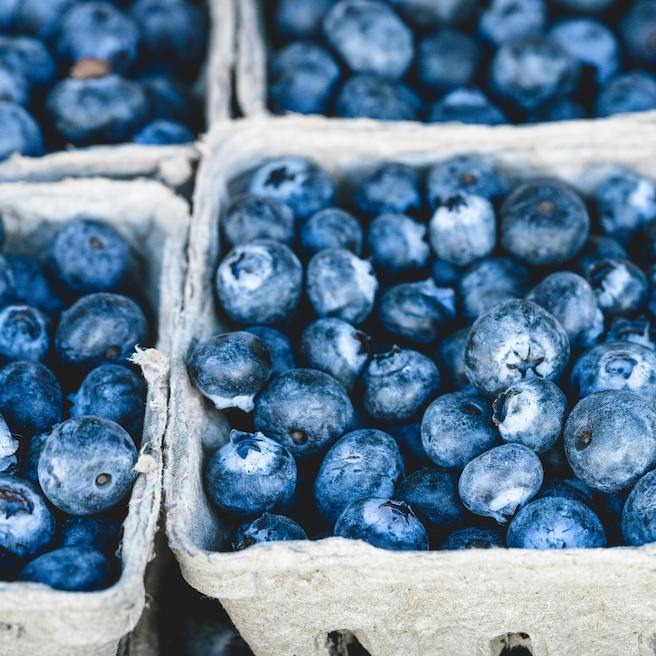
(250, 474)
(596, 248)
(610, 439)
(364, 463)
(26, 524)
(627, 93)
(368, 96)
(279, 347)
(512, 339)
(531, 412)
(87, 465)
(638, 30)
(101, 532)
(446, 60)
(384, 523)
(336, 348)
(397, 245)
(297, 182)
(341, 285)
(251, 217)
(571, 299)
(506, 20)
(391, 188)
(259, 282)
(41, 17)
(639, 513)
(30, 398)
(398, 384)
(331, 228)
(305, 410)
(544, 222)
(268, 528)
(463, 229)
(13, 86)
(19, 132)
(556, 523)
(162, 132)
(100, 329)
(469, 106)
(473, 537)
(456, 428)
(300, 19)
(634, 331)
(112, 392)
(31, 284)
(621, 287)
(23, 334)
(29, 58)
(230, 369)
(9, 446)
(302, 79)
(74, 569)
(451, 358)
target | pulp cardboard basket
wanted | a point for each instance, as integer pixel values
(34, 619)
(171, 165)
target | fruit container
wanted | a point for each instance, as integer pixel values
(35, 619)
(317, 597)
(172, 165)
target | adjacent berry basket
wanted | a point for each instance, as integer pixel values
(318, 596)
(147, 224)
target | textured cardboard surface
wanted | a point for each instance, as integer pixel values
(35, 619)
(285, 598)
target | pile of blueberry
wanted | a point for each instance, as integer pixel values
(502, 61)
(452, 360)
(85, 72)
(71, 406)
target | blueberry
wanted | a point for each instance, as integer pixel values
(23, 334)
(627, 93)
(616, 366)
(100, 329)
(451, 357)
(169, 99)
(336, 348)
(305, 410)
(98, 30)
(592, 43)
(445, 274)
(251, 217)
(30, 398)
(397, 384)
(463, 229)
(491, 282)
(108, 109)
(8, 13)
(639, 513)
(101, 532)
(41, 17)
(368, 96)
(259, 282)
(531, 412)
(621, 287)
(87, 465)
(89, 256)
(500, 481)
(637, 331)
(279, 347)
(571, 299)
(419, 312)
(230, 369)
(639, 32)
(471, 174)
(112, 392)
(561, 109)
(456, 428)
(397, 245)
(509, 341)
(369, 37)
(341, 285)
(13, 86)
(302, 79)
(469, 106)
(473, 537)
(29, 460)
(26, 524)
(294, 181)
(331, 228)
(364, 463)
(446, 60)
(544, 222)
(556, 523)
(598, 248)
(610, 439)
(300, 19)
(164, 133)
(31, 285)
(74, 569)
(250, 474)
(384, 523)
(19, 132)
(269, 528)
(391, 188)
(29, 58)
(530, 71)
(506, 20)
(8, 449)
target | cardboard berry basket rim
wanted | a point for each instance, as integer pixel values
(35, 619)
(290, 598)
(174, 166)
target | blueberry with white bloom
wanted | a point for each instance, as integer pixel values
(635, 331)
(639, 513)
(391, 188)
(506, 20)
(23, 334)
(8, 449)
(620, 286)
(331, 228)
(268, 528)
